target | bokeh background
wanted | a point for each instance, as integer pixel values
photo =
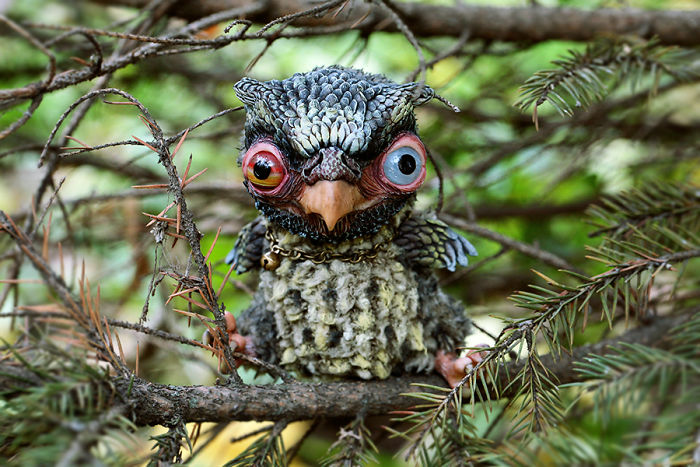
(530, 187)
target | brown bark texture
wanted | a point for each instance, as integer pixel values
(159, 404)
(527, 24)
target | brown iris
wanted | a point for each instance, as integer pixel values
(264, 170)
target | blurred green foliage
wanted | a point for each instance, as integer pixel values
(638, 139)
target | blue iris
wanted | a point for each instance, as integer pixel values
(403, 166)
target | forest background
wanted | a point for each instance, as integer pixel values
(573, 166)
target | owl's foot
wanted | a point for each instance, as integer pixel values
(238, 343)
(454, 368)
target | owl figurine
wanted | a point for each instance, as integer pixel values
(332, 160)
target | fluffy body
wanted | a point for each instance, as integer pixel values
(368, 319)
(332, 159)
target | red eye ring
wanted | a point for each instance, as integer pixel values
(263, 166)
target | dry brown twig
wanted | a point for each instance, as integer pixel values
(201, 282)
(193, 283)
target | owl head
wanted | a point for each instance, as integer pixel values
(332, 154)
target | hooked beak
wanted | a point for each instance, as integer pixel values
(332, 200)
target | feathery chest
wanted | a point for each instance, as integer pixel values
(340, 318)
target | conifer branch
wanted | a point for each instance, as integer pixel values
(353, 446)
(619, 214)
(168, 446)
(152, 403)
(65, 386)
(647, 250)
(580, 79)
(268, 449)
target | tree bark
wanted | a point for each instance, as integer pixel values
(528, 24)
(160, 404)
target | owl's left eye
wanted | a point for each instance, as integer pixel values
(263, 166)
(404, 163)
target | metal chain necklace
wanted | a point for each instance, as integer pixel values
(272, 259)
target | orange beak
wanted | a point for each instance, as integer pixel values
(331, 200)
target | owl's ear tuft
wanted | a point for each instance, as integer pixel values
(250, 90)
(420, 93)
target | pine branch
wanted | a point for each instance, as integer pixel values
(158, 404)
(616, 215)
(57, 409)
(623, 378)
(353, 447)
(657, 387)
(540, 406)
(574, 300)
(83, 310)
(267, 450)
(580, 79)
(649, 231)
(558, 313)
(671, 436)
(168, 446)
(453, 438)
(652, 230)
(619, 377)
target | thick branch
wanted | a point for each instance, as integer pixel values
(491, 23)
(153, 404)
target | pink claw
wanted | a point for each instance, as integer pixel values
(454, 368)
(239, 343)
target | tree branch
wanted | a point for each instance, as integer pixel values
(532, 24)
(159, 404)
(529, 250)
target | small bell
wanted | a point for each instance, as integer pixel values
(270, 261)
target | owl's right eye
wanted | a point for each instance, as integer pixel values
(403, 163)
(263, 166)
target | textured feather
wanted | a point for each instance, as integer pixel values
(367, 319)
(329, 107)
(248, 248)
(384, 314)
(429, 242)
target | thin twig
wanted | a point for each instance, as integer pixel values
(529, 250)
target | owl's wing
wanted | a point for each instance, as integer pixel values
(249, 246)
(429, 242)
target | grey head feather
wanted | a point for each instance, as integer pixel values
(329, 107)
